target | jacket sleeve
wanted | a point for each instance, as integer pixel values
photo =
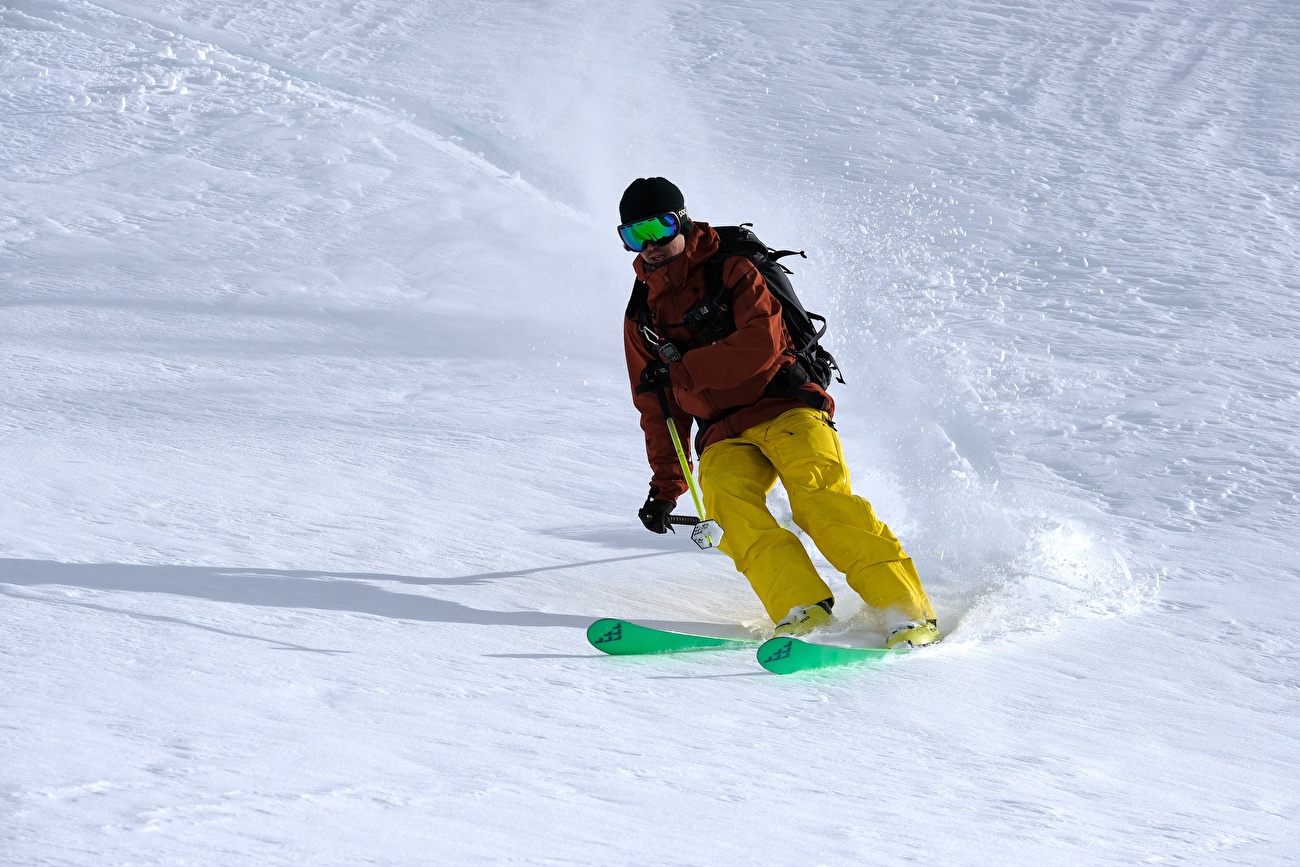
(758, 345)
(667, 481)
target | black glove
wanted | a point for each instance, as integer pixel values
(655, 377)
(654, 514)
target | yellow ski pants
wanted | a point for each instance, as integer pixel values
(801, 448)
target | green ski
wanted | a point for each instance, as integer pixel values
(623, 638)
(788, 655)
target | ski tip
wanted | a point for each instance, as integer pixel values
(775, 653)
(605, 632)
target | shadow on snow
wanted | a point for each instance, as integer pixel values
(352, 592)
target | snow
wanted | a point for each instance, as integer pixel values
(317, 454)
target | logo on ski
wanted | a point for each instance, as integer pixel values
(614, 633)
(778, 653)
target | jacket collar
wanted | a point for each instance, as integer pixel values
(701, 244)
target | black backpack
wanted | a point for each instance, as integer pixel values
(713, 312)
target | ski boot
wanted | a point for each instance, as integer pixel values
(801, 621)
(914, 633)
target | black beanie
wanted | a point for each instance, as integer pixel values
(650, 197)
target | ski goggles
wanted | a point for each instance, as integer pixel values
(656, 230)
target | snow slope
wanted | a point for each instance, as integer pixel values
(317, 455)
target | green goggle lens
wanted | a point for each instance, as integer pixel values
(655, 230)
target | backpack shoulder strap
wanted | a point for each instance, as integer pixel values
(638, 306)
(713, 283)
(638, 310)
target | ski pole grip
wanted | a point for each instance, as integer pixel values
(683, 520)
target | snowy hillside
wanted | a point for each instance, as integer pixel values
(317, 455)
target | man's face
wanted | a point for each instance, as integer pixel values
(657, 254)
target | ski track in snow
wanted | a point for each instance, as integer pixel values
(317, 455)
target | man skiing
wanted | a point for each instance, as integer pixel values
(760, 419)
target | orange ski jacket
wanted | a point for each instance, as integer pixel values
(720, 386)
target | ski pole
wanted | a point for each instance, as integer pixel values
(706, 534)
(686, 468)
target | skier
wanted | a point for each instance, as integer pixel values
(759, 419)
